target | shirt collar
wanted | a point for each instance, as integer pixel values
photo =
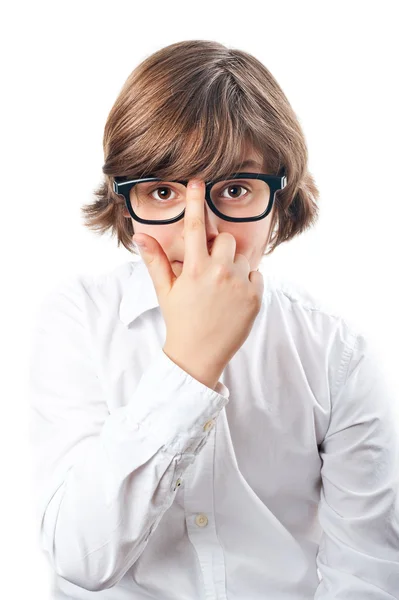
(139, 294)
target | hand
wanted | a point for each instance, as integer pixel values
(210, 308)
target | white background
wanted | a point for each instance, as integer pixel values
(62, 67)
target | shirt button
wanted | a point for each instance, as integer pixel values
(178, 484)
(201, 520)
(209, 424)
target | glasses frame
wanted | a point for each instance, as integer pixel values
(275, 182)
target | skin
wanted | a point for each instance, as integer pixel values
(251, 238)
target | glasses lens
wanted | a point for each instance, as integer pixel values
(241, 197)
(237, 198)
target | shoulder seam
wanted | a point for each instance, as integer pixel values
(319, 307)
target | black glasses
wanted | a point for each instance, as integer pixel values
(254, 205)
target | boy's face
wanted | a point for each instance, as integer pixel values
(251, 238)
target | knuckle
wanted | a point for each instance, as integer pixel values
(152, 259)
(195, 223)
(194, 270)
(256, 301)
(222, 271)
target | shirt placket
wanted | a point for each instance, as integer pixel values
(200, 518)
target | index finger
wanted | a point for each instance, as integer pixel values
(195, 244)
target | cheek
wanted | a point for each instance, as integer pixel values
(249, 237)
(166, 236)
(251, 241)
(161, 233)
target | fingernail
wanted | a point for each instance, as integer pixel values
(195, 183)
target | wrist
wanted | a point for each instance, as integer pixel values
(206, 374)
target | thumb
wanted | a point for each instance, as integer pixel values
(157, 263)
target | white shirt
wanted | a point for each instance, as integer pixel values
(150, 485)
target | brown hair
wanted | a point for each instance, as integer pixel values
(191, 109)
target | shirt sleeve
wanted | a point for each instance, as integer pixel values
(358, 556)
(104, 480)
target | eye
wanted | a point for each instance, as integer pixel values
(163, 195)
(234, 186)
